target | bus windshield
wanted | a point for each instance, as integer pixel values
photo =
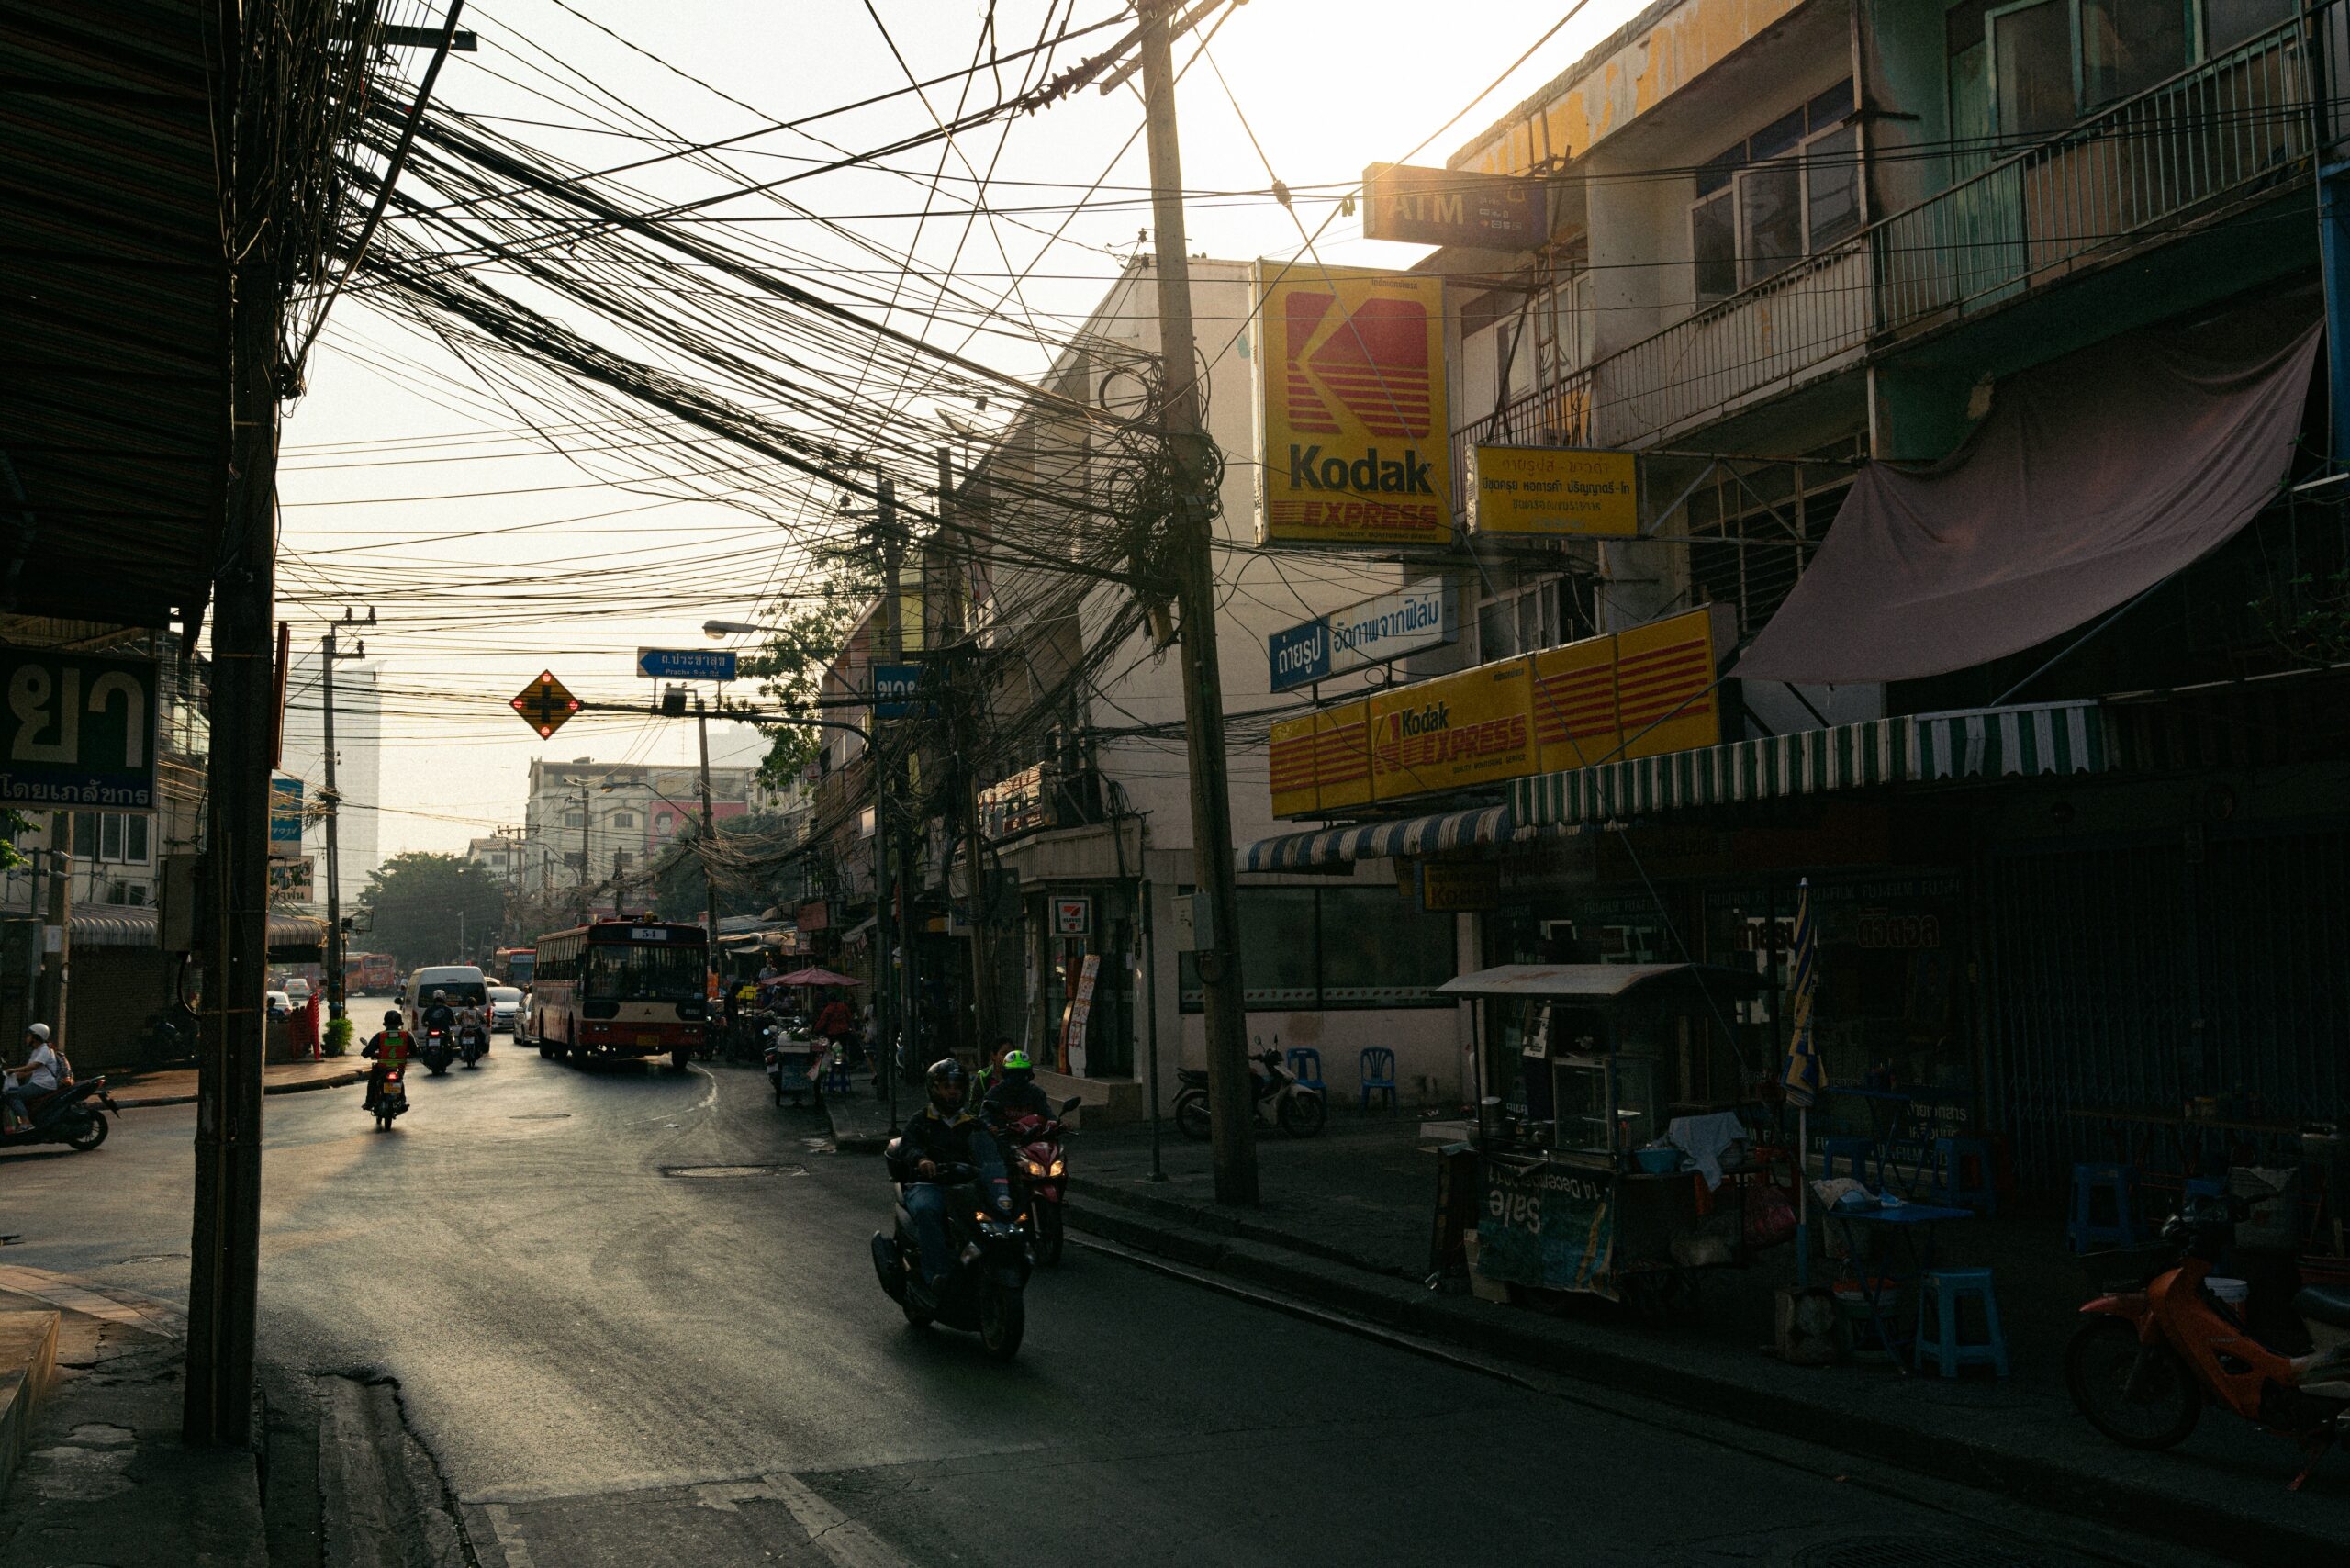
(616, 973)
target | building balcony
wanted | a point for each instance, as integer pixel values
(2177, 159)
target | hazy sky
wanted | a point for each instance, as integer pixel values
(407, 485)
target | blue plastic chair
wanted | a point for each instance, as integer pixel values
(1858, 1154)
(1939, 1292)
(1306, 1066)
(1952, 1184)
(1378, 1074)
(2117, 1224)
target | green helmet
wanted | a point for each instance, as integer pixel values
(1017, 1062)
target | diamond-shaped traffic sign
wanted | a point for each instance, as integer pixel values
(545, 704)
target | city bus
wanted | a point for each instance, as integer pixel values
(621, 988)
(369, 974)
(514, 966)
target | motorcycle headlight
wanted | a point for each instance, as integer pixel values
(1035, 1168)
(1056, 1168)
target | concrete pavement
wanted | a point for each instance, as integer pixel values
(628, 1317)
(176, 1085)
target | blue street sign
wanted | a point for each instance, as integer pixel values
(285, 816)
(893, 691)
(1300, 655)
(684, 664)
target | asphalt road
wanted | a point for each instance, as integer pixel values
(616, 1361)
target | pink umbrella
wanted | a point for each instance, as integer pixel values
(815, 976)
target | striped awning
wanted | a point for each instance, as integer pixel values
(134, 926)
(1378, 841)
(2055, 738)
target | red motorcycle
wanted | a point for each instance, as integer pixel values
(1038, 1156)
(2148, 1359)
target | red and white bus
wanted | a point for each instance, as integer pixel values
(621, 988)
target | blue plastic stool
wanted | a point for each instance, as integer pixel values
(1950, 1185)
(836, 1076)
(1860, 1152)
(1305, 1063)
(1939, 1294)
(2088, 1227)
(1378, 1075)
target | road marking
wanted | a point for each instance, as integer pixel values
(510, 1536)
(112, 1302)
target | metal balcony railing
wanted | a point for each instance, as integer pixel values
(2195, 144)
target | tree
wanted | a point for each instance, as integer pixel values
(427, 909)
(791, 666)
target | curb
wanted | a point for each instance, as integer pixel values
(1383, 1299)
(852, 1142)
(343, 1081)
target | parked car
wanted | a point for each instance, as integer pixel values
(298, 991)
(505, 1007)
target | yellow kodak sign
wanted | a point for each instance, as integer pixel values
(1554, 490)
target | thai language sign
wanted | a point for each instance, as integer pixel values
(1353, 433)
(1372, 633)
(80, 730)
(1641, 692)
(1554, 490)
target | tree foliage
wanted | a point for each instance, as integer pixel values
(432, 909)
(791, 665)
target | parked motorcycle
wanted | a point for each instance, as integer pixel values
(1290, 1105)
(1036, 1144)
(438, 1051)
(2146, 1360)
(393, 1101)
(473, 1044)
(75, 1117)
(987, 1232)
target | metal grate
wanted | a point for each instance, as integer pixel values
(1908, 1551)
(724, 1172)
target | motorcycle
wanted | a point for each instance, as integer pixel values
(987, 1232)
(393, 1099)
(437, 1051)
(1295, 1109)
(1037, 1154)
(473, 1044)
(2143, 1366)
(75, 1116)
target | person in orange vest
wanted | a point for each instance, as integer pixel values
(392, 1046)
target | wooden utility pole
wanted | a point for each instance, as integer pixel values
(328, 654)
(958, 627)
(886, 1022)
(708, 834)
(1231, 1096)
(50, 999)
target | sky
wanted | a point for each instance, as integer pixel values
(411, 486)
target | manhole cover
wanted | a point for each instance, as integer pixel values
(721, 1171)
(542, 1116)
(1908, 1551)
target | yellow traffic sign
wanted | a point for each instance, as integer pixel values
(545, 704)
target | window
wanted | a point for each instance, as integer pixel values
(2227, 23)
(2127, 46)
(2051, 62)
(1757, 527)
(659, 972)
(1529, 619)
(111, 835)
(575, 819)
(1336, 948)
(623, 819)
(2031, 67)
(1791, 189)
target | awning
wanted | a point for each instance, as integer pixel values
(2093, 478)
(2052, 738)
(133, 925)
(1379, 841)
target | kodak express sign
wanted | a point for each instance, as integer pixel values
(1353, 442)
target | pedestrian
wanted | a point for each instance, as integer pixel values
(43, 1074)
(305, 1027)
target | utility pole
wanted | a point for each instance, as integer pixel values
(327, 655)
(974, 889)
(708, 834)
(49, 998)
(1231, 1099)
(885, 783)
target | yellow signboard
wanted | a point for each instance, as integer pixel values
(1545, 490)
(1321, 762)
(1352, 430)
(1665, 695)
(1295, 792)
(1574, 705)
(1458, 730)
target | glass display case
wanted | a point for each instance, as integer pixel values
(1606, 1105)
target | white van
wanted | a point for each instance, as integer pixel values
(463, 982)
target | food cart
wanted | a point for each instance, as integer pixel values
(1603, 1165)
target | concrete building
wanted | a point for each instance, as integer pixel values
(599, 825)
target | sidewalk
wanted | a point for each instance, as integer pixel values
(176, 1086)
(860, 1118)
(1346, 1222)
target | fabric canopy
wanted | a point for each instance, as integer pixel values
(815, 976)
(2094, 478)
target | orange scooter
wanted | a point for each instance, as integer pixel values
(2147, 1360)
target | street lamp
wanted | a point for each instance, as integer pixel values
(731, 629)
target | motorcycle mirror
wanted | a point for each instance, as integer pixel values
(1070, 1104)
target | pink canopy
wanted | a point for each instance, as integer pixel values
(815, 976)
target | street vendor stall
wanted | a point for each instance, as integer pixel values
(1596, 1172)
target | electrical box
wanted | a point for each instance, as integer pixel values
(176, 903)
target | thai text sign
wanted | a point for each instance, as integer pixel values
(293, 881)
(285, 816)
(1351, 423)
(1372, 633)
(1448, 206)
(1554, 490)
(80, 730)
(1637, 693)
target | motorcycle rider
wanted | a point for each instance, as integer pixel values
(939, 1136)
(471, 1022)
(42, 1074)
(392, 1046)
(1014, 1093)
(440, 1015)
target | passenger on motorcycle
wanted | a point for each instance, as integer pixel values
(40, 1075)
(391, 1047)
(1015, 1094)
(940, 1136)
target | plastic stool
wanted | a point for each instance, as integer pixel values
(1860, 1152)
(1939, 1292)
(836, 1076)
(1950, 1185)
(2086, 1230)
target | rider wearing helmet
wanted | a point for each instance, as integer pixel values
(440, 1015)
(938, 1136)
(391, 1047)
(1014, 1093)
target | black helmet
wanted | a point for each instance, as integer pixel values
(946, 1082)
(392, 1020)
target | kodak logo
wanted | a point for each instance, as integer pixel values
(1368, 474)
